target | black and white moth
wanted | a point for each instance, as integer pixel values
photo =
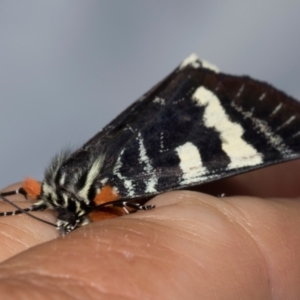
(195, 126)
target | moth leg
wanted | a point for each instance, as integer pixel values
(128, 206)
(135, 206)
(126, 210)
(14, 192)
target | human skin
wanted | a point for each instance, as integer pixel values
(191, 246)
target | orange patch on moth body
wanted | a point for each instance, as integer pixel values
(107, 194)
(106, 213)
(32, 188)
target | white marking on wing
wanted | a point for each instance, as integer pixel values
(62, 179)
(207, 65)
(262, 96)
(276, 110)
(65, 201)
(295, 135)
(48, 190)
(287, 122)
(78, 206)
(161, 140)
(159, 100)
(128, 127)
(239, 93)
(104, 180)
(161, 146)
(144, 158)
(241, 153)
(194, 61)
(92, 174)
(262, 126)
(190, 163)
(127, 183)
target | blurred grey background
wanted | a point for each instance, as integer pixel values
(69, 67)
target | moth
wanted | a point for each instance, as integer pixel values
(195, 126)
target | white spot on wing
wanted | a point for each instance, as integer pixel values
(115, 190)
(190, 163)
(104, 180)
(194, 61)
(239, 151)
(162, 146)
(159, 100)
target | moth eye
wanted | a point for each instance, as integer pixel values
(60, 200)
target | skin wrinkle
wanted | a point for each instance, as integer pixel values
(26, 229)
(62, 293)
(175, 233)
(114, 250)
(27, 237)
(236, 216)
(155, 259)
(121, 255)
(35, 278)
(161, 227)
(229, 217)
(68, 287)
(165, 246)
(8, 238)
(187, 220)
(130, 230)
(184, 234)
(36, 283)
(199, 242)
(8, 225)
(67, 284)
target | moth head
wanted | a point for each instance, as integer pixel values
(69, 206)
(67, 220)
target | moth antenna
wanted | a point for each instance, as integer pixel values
(23, 210)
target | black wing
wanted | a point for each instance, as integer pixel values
(197, 126)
